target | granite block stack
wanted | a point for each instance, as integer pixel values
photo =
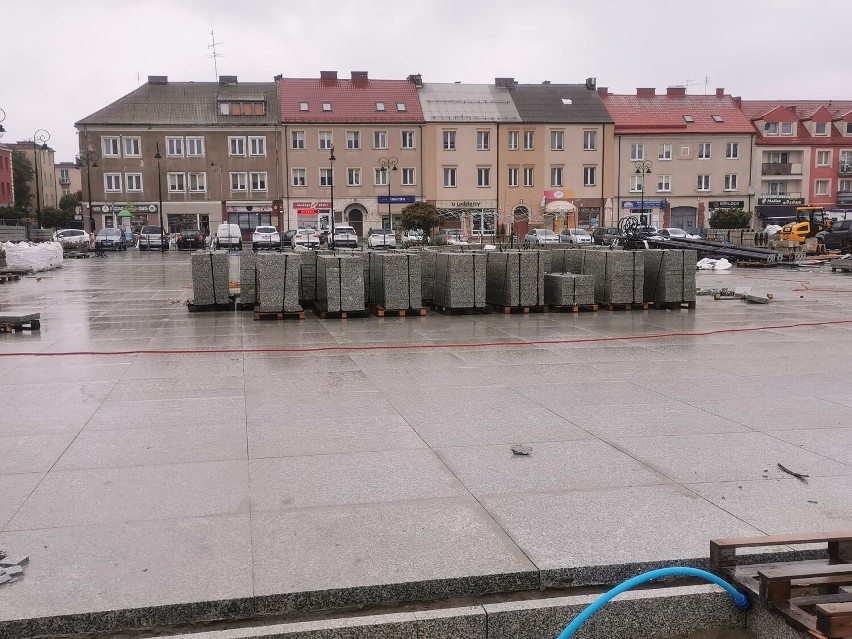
(568, 289)
(340, 283)
(619, 276)
(459, 279)
(278, 282)
(670, 275)
(308, 274)
(568, 260)
(396, 282)
(427, 273)
(248, 277)
(210, 278)
(516, 278)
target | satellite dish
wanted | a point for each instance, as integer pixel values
(751, 189)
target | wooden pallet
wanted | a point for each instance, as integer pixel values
(576, 308)
(12, 323)
(506, 310)
(207, 308)
(631, 306)
(326, 314)
(77, 255)
(9, 278)
(451, 310)
(278, 315)
(380, 311)
(808, 592)
(667, 306)
(751, 264)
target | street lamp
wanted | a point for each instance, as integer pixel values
(89, 159)
(2, 128)
(385, 166)
(159, 157)
(40, 137)
(331, 160)
(643, 168)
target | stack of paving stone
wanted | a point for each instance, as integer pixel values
(278, 282)
(619, 276)
(571, 260)
(248, 277)
(568, 289)
(427, 272)
(516, 278)
(308, 274)
(340, 283)
(395, 280)
(670, 275)
(210, 278)
(459, 279)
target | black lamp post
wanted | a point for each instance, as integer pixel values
(40, 138)
(89, 159)
(386, 165)
(331, 160)
(643, 168)
(2, 117)
(159, 157)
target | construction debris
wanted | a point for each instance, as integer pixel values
(799, 476)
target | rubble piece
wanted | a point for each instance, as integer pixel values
(619, 276)
(210, 278)
(520, 449)
(13, 571)
(396, 281)
(801, 477)
(516, 278)
(7, 562)
(340, 283)
(569, 289)
(670, 275)
(248, 277)
(755, 299)
(459, 280)
(278, 282)
(4, 578)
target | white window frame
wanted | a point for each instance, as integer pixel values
(409, 177)
(529, 140)
(844, 185)
(353, 140)
(664, 183)
(236, 146)
(133, 182)
(771, 128)
(732, 182)
(407, 139)
(448, 139)
(298, 177)
(590, 175)
(297, 140)
(380, 177)
(557, 176)
(132, 141)
(483, 140)
(637, 151)
(257, 146)
(304, 106)
(176, 181)
(325, 140)
(590, 140)
(664, 151)
(705, 150)
(821, 128)
(823, 153)
(112, 182)
(174, 146)
(788, 125)
(353, 176)
(259, 181)
(196, 181)
(450, 176)
(325, 176)
(703, 182)
(822, 187)
(195, 141)
(636, 183)
(110, 146)
(513, 140)
(557, 140)
(380, 140)
(483, 177)
(238, 181)
(529, 176)
(732, 151)
(512, 178)
(776, 188)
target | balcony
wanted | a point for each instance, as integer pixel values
(845, 169)
(65, 181)
(781, 168)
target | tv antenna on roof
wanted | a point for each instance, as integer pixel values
(214, 55)
(690, 83)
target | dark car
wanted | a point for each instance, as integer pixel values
(287, 238)
(839, 233)
(112, 239)
(605, 235)
(191, 239)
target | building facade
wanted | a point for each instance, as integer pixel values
(43, 185)
(68, 179)
(7, 184)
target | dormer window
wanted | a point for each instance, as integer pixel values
(820, 128)
(688, 119)
(771, 128)
(400, 106)
(242, 107)
(786, 128)
(718, 118)
(380, 106)
(326, 106)
(567, 101)
(304, 106)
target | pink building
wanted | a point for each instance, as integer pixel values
(7, 191)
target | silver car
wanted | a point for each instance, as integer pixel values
(540, 236)
(575, 236)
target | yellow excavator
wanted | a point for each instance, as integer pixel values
(810, 220)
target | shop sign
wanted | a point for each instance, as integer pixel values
(315, 204)
(726, 204)
(648, 204)
(133, 208)
(397, 199)
(307, 212)
(780, 200)
(249, 208)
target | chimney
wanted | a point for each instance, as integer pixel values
(226, 80)
(738, 101)
(792, 109)
(646, 92)
(675, 91)
(591, 84)
(603, 91)
(359, 78)
(546, 82)
(328, 77)
(278, 77)
(720, 93)
(416, 79)
(506, 83)
(158, 79)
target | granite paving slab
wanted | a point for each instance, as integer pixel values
(15, 490)
(32, 453)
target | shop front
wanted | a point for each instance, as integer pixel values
(777, 209)
(249, 215)
(559, 210)
(313, 214)
(476, 217)
(648, 212)
(132, 217)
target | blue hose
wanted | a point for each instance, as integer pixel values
(740, 600)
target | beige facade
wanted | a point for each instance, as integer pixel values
(43, 186)
(68, 179)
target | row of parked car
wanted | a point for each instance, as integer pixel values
(602, 236)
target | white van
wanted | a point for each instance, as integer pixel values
(229, 236)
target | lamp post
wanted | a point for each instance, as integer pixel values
(2, 128)
(386, 165)
(159, 157)
(643, 168)
(89, 159)
(40, 138)
(331, 160)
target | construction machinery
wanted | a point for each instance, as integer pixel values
(810, 220)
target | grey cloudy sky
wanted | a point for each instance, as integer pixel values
(65, 60)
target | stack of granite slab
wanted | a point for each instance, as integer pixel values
(248, 277)
(340, 283)
(459, 279)
(569, 289)
(619, 276)
(516, 278)
(308, 273)
(210, 278)
(428, 258)
(278, 282)
(395, 280)
(670, 275)
(571, 260)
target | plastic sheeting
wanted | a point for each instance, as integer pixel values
(709, 264)
(33, 258)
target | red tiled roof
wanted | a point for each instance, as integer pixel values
(351, 101)
(755, 109)
(799, 111)
(662, 114)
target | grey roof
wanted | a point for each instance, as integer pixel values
(452, 102)
(544, 103)
(187, 103)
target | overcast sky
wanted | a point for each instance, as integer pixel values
(65, 60)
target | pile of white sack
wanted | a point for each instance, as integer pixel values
(709, 264)
(32, 258)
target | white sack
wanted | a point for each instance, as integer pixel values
(32, 258)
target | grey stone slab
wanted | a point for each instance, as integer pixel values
(670, 275)
(307, 384)
(32, 453)
(619, 275)
(611, 422)
(347, 405)
(567, 289)
(340, 283)
(278, 365)
(278, 282)
(205, 366)
(103, 372)
(459, 280)
(562, 398)
(15, 490)
(834, 443)
(424, 378)
(395, 279)
(191, 414)
(210, 277)
(405, 360)
(804, 414)
(248, 277)
(44, 418)
(179, 388)
(115, 495)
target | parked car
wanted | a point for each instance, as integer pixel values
(111, 239)
(344, 237)
(540, 236)
(151, 237)
(383, 238)
(265, 236)
(835, 237)
(309, 238)
(697, 232)
(229, 236)
(412, 237)
(190, 239)
(606, 235)
(287, 238)
(676, 233)
(451, 236)
(575, 236)
(72, 238)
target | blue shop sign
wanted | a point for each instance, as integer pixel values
(648, 204)
(396, 199)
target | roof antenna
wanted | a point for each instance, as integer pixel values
(214, 55)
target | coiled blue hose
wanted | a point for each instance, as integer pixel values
(740, 600)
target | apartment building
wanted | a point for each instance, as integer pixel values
(7, 185)
(68, 179)
(205, 151)
(680, 156)
(43, 185)
(803, 155)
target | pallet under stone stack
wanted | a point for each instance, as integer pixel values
(278, 282)
(210, 278)
(568, 289)
(619, 276)
(396, 281)
(340, 283)
(459, 280)
(516, 278)
(248, 279)
(670, 276)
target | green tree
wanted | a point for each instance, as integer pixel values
(68, 203)
(420, 215)
(53, 218)
(730, 219)
(22, 175)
